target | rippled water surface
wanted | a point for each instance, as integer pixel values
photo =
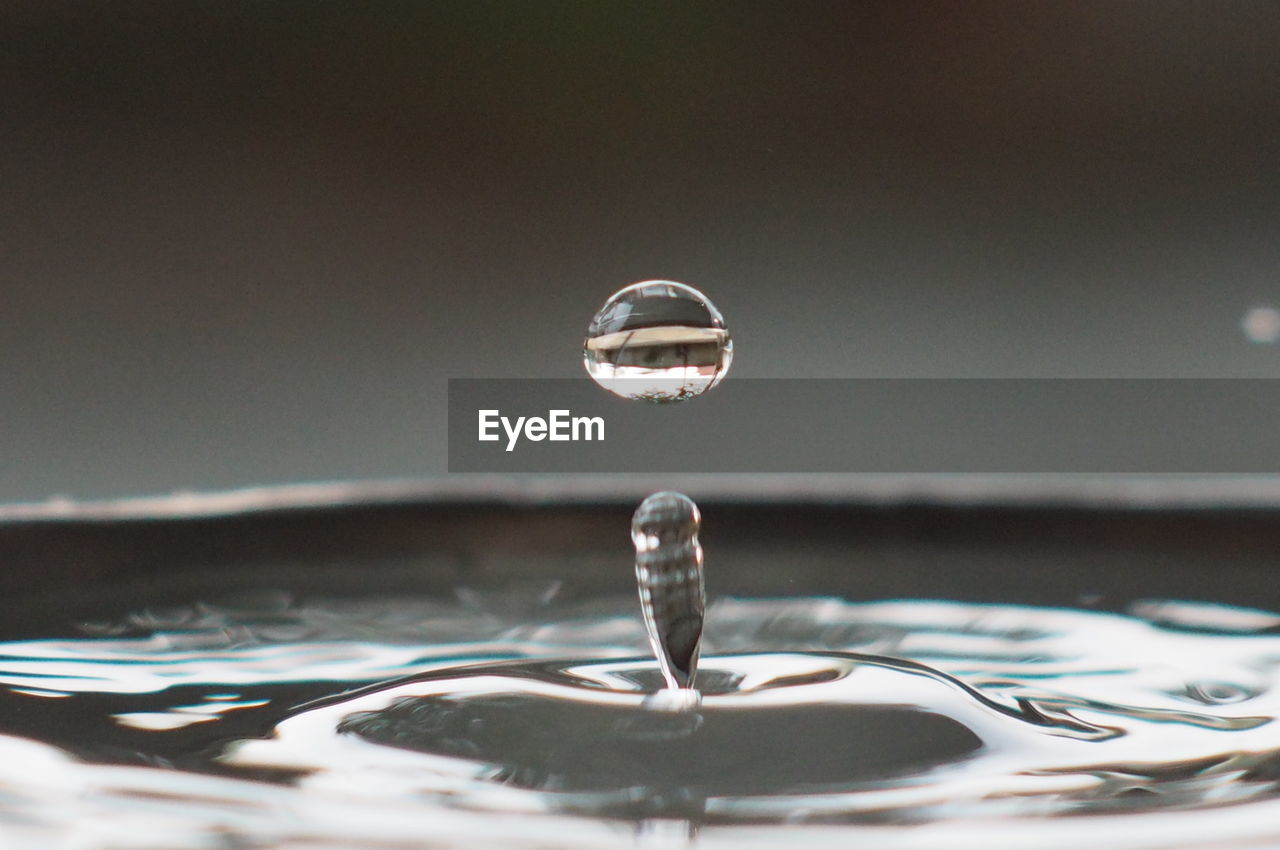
(518, 719)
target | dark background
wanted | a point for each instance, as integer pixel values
(248, 243)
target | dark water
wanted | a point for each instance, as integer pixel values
(525, 721)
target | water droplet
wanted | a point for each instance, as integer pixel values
(1262, 325)
(657, 340)
(669, 574)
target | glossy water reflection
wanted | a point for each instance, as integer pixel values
(341, 723)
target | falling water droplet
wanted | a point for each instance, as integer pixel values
(669, 574)
(657, 340)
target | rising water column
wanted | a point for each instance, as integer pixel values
(664, 530)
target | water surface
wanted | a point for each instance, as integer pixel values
(525, 718)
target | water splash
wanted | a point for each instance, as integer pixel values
(818, 717)
(664, 531)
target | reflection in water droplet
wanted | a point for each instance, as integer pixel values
(657, 340)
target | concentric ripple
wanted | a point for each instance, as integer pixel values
(336, 723)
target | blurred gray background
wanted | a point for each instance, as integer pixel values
(248, 242)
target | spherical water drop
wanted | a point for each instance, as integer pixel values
(657, 340)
